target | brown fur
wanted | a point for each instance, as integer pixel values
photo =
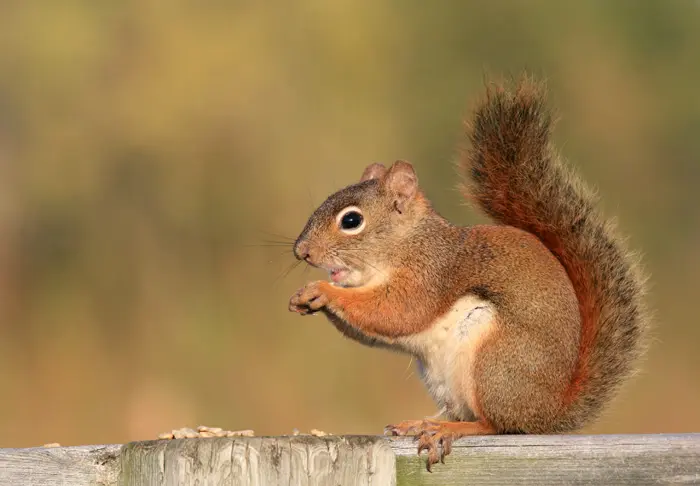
(568, 318)
(516, 176)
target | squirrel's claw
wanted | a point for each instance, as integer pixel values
(308, 299)
(431, 435)
(436, 436)
(434, 444)
(437, 441)
(407, 427)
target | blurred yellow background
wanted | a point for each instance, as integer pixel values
(144, 146)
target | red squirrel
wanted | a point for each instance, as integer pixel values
(529, 325)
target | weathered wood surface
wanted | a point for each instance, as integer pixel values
(293, 461)
(557, 459)
(349, 460)
(41, 466)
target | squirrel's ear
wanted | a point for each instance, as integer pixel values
(373, 171)
(402, 182)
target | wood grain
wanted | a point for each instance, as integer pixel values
(362, 460)
(562, 459)
(40, 466)
(294, 461)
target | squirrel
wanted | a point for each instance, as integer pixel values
(529, 325)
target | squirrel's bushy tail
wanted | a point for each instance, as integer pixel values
(515, 175)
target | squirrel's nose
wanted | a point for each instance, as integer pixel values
(301, 250)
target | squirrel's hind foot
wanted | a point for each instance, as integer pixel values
(436, 436)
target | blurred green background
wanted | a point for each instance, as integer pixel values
(144, 145)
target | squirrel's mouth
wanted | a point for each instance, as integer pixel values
(338, 275)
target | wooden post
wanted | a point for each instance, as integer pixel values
(362, 460)
(299, 460)
(293, 461)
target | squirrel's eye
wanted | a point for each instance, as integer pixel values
(350, 220)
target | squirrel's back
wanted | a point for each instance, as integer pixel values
(515, 175)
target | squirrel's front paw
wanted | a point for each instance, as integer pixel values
(308, 299)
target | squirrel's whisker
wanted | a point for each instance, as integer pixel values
(287, 271)
(276, 235)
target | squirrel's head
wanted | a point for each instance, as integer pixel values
(354, 233)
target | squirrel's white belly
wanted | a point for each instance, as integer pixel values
(445, 354)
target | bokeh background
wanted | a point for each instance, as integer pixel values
(149, 149)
